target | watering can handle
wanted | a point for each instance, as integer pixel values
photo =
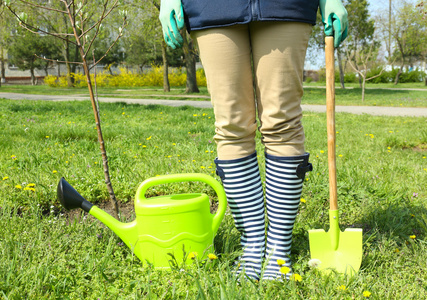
(163, 179)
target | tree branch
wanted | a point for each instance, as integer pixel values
(43, 7)
(58, 61)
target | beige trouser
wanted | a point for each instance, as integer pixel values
(278, 51)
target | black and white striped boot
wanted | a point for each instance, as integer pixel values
(242, 184)
(283, 186)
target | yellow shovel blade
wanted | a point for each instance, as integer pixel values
(345, 257)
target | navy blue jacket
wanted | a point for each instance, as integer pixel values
(202, 14)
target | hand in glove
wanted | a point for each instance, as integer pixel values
(172, 19)
(334, 17)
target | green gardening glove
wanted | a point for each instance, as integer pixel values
(334, 17)
(172, 19)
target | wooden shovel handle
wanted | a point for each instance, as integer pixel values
(330, 120)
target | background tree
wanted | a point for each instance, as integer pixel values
(360, 40)
(26, 49)
(85, 31)
(410, 36)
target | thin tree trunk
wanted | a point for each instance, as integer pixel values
(33, 77)
(2, 67)
(396, 79)
(363, 89)
(166, 85)
(340, 69)
(190, 65)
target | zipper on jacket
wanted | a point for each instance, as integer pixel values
(254, 10)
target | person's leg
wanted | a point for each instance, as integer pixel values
(226, 57)
(279, 51)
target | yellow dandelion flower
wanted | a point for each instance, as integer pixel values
(54, 171)
(194, 115)
(143, 146)
(149, 138)
(192, 255)
(173, 144)
(303, 200)
(296, 277)
(29, 189)
(212, 256)
(396, 250)
(280, 262)
(340, 155)
(202, 167)
(6, 178)
(31, 185)
(207, 151)
(284, 270)
(321, 151)
(47, 136)
(413, 236)
(18, 186)
(123, 113)
(342, 287)
(367, 294)
(13, 157)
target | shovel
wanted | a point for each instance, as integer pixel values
(336, 250)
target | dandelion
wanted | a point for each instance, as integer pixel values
(413, 236)
(212, 256)
(47, 136)
(29, 189)
(192, 255)
(5, 178)
(280, 262)
(367, 294)
(284, 270)
(149, 138)
(13, 157)
(340, 155)
(18, 186)
(202, 167)
(303, 200)
(173, 144)
(342, 287)
(314, 263)
(194, 115)
(321, 151)
(54, 171)
(296, 277)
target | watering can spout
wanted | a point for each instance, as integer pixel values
(71, 199)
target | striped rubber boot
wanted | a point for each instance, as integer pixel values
(283, 186)
(245, 196)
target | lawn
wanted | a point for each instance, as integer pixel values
(399, 95)
(48, 253)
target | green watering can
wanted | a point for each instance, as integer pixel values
(163, 224)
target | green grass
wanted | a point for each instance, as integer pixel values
(382, 172)
(376, 94)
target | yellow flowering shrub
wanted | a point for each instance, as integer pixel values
(128, 78)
